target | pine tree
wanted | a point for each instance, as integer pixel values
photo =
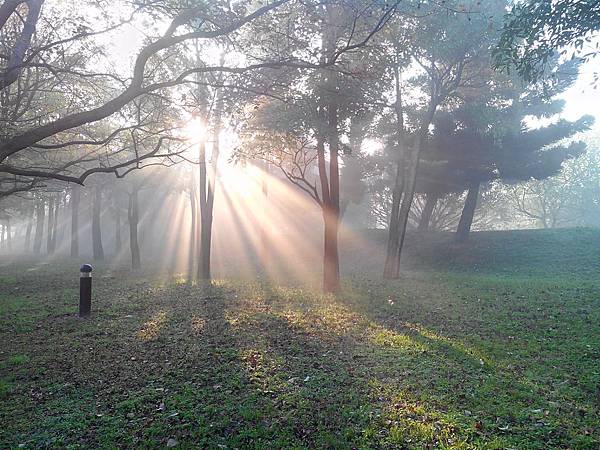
(485, 139)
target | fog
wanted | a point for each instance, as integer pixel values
(298, 224)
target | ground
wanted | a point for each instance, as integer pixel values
(495, 344)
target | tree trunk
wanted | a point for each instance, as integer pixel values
(31, 213)
(331, 274)
(331, 263)
(390, 269)
(207, 185)
(22, 45)
(55, 225)
(205, 247)
(75, 198)
(430, 202)
(205, 235)
(39, 226)
(50, 230)
(8, 234)
(118, 241)
(96, 226)
(411, 181)
(133, 218)
(468, 212)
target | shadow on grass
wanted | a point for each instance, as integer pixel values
(466, 371)
(258, 366)
(200, 365)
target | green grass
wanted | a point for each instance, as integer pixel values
(560, 253)
(447, 357)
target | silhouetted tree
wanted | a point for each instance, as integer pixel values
(97, 247)
(484, 140)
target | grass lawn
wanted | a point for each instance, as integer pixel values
(467, 352)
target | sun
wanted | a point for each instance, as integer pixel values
(194, 130)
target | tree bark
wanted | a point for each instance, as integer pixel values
(205, 232)
(331, 264)
(411, 181)
(55, 221)
(331, 281)
(75, 199)
(39, 226)
(98, 250)
(118, 240)
(31, 214)
(207, 184)
(468, 212)
(390, 269)
(50, 229)
(331, 273)
(17, 53)
(8, 234)
(133, 219)
(430, 202)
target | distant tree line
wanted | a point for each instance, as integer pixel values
(307, 87)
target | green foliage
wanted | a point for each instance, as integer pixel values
(535, 30)
(484, 138)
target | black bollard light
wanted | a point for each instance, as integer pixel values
(85, 290)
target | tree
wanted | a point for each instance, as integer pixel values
(534, 30)
(40, 214)
(450, 47)
(209, 108)
(51, 231)
(29, 218)
(484, 140)
(74, 204)
(154, 182)
(90, 132)
(570, 198)
(97, 246)
(301, 132)
(133, 220)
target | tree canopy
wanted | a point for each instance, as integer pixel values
(534, 30)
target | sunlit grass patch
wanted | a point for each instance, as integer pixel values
(455, 345)
(198, 323)
(328, 318)
(151, 328)
(388, 338)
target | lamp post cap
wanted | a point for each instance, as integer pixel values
(86, 268)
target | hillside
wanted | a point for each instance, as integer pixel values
(569, 252)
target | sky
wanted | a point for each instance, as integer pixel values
(582, 98)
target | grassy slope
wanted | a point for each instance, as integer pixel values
(495, 345)
(517, 253)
